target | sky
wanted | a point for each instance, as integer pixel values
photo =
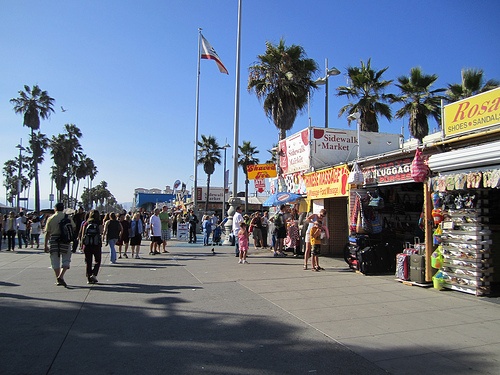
(126, 72)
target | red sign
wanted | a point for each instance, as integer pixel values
(260, 185)
(385, 173)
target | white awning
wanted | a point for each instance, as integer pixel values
(484, 155)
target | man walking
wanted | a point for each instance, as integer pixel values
(155, 224)
(21, 222)
(60, 253)
(237, 220)
(165, 224)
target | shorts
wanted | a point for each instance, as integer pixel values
(136, 240)
(281, 232)
(316, 249)
(257, 234)
(157, 239)
(60, 255)
(165, 234)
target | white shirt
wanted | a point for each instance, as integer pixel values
(36, 227)
(237, 219)
(155, 223)
(21, 223)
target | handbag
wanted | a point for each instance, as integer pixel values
(355, 176)
(418, 169)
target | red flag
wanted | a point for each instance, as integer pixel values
(208, 52)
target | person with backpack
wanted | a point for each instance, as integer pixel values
(91, 240)
(57, 242)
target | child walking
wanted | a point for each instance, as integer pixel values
(243, 236)
(316, 244)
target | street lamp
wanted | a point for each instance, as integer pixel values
(21, 149)
(324, 81)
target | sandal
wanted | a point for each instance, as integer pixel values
(305, 267)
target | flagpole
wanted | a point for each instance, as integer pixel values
(234, 201)
(237, 106)
(195, 188)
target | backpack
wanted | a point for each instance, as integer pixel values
(278, 221)
(92, 235)
(67, 234)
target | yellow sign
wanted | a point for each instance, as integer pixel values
(327, 183)
(473, 113)
(259, 171)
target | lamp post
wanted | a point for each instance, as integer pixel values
(225, 147)
(324, 81)
(21, 149)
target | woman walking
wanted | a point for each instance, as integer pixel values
(112, 232)
(136, 230)
(10, 229)
(124, 238)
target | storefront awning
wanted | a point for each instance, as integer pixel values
(466, 158)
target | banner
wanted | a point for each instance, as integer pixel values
(327, 183)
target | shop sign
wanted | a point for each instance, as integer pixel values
(260, 185)
(323, 147)
(327, 183)
(384, 173)
(294, 152)
(477, 112)
(216, 194)
(259, 171)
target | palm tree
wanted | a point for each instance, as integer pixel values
(35, 152)
(34, 104)
(247, 157)
(274, 155)
(419, 100)
(472, 84)
(282, 80)
(367, 86)
(85, 168)
(209, 155)
(15, 179)
(65, 150)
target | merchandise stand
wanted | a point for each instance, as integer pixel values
(466, 249)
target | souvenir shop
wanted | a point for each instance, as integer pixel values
(465, 204)
(386, 215)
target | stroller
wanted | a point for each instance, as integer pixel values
(216, 236)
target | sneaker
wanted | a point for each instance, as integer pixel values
(137, 257)
(125, 256)
(245, 261)
(240, 261)
(60, 281)
(119, 257)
